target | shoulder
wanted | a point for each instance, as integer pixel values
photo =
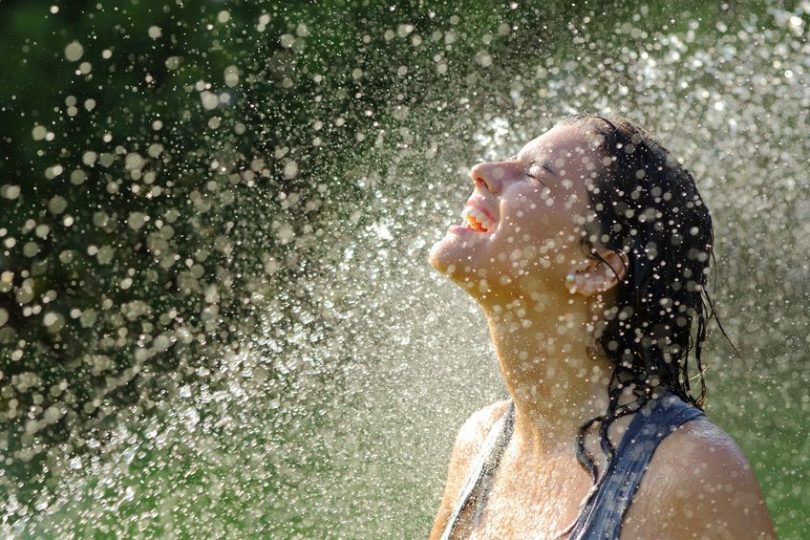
(475, 430)
(468, 443)
(699, 484)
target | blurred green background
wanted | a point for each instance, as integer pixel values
(215, 312)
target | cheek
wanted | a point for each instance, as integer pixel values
(542, 227)
(539, 213)
(573, 203)
(527, 198)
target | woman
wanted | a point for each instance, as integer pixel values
(589, 254)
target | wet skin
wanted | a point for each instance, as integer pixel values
(512, 254)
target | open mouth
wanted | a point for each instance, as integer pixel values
(477, 220)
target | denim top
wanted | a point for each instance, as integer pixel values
(602, 517)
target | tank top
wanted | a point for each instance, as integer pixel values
(602, 517)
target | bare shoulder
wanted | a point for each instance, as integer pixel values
(468, 443)
(469, 440)
(699, 485)
(475, 430)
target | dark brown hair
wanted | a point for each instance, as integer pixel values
(647, 205)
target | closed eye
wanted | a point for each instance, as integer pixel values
(536, 178)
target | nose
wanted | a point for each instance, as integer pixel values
(488, 175)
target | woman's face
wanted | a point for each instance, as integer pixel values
(521, 225)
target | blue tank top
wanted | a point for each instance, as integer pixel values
(602, 517)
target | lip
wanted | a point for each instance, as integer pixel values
(462, 229)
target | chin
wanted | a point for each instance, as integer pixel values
(451, 256)
(456, 255)
(440, 256)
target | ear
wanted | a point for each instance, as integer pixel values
(599, 274)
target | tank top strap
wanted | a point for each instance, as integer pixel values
(479, 476)
(602, 517)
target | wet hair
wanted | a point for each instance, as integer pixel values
(645, 204)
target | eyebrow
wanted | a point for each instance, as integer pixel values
(544, 162)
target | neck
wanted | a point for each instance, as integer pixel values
(550, 366)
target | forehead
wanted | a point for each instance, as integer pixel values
(562, 142)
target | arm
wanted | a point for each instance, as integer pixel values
(468, 442)
(699, 485)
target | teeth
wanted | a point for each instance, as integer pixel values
(477, 219)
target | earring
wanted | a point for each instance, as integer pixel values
(570, 278)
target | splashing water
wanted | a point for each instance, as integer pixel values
(216, 315)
